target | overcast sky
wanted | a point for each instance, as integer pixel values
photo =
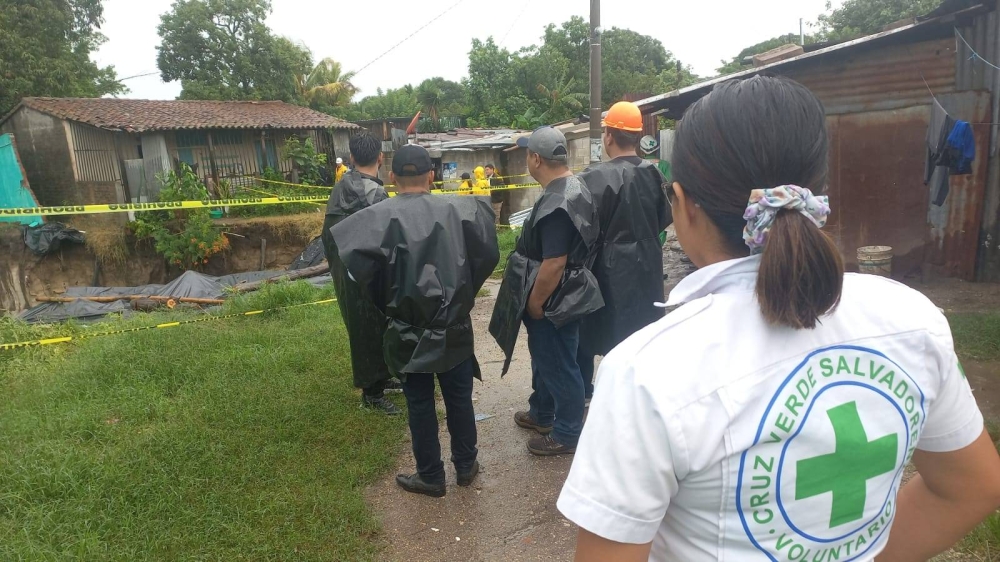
(699, 33)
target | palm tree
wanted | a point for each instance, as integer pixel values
(431, 100)
(327, 85)
(562, 100)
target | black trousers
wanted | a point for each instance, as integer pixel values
(456, 389)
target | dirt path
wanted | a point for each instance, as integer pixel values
(509, 513)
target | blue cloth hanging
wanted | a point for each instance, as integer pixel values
(962, 147)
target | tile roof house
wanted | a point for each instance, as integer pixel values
(102, 150)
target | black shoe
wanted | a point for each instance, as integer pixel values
(414, 484)
(465, 478)
(380, 403)
(546, 446)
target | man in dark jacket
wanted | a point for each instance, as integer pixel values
(423, 258)
(497, 198)
(633, 211)
(358, 189)
(548, 286)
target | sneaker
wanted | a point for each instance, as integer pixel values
(546, 446)
(393, 386)
(465, 478)
(380, 403)
(524, 419)
(414, 484)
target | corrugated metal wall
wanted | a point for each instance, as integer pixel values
(882, 78)
(94, 153)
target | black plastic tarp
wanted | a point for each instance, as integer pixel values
(423, 258)
(190, 284)
(48, 238)
(633, 211)
(311, 256)
(578, 294)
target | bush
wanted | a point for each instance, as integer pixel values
(184, 238)
(267, 188)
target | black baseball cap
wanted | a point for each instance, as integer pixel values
(411, 160)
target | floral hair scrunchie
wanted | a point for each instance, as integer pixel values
(765, 204)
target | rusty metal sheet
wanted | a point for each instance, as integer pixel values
(877, 184)
(954, 227)
(862, 79)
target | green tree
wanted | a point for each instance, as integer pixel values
(856, 18)
(222, 49)
(399, 102)
(431, 100)
(633, 63)
(45, 48)
(564, 101)
(496, 96)
(327, 86)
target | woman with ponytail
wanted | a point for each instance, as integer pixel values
(771, 415)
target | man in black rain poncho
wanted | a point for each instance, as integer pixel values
(423, 258)
(358, 189)
(548, 286)
(633, 210)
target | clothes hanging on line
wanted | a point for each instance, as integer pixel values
(951, 150)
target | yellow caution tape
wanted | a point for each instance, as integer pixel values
(210, 203)
(160, 206)
(65, 339)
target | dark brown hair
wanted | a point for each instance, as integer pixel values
(625, 139)
(760, 133)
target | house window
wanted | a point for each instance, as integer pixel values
(190, 139)
(230, 138)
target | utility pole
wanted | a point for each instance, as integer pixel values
(596, 107)
(802, 33)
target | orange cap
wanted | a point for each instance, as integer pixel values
(625, 116)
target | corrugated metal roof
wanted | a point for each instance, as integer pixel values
(936, 27)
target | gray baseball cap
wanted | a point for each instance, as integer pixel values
(547, 142)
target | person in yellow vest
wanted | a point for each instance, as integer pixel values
(482, 185)
(341, 170)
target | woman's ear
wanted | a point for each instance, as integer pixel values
(681, 203)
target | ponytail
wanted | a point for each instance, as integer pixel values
(801, 273)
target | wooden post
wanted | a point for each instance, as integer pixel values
(263, 253)
(263, 153)
(211, 163)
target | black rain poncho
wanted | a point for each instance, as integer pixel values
(423, 258)
(633, 210)
(365, 324)
(578, 294)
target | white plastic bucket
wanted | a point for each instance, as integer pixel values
(875, 260)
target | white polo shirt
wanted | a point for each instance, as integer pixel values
(719, 437)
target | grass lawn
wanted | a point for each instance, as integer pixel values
(977, 338)
(240, 439)
(506, 238)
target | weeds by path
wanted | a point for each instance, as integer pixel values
(233, 440)
(507, 239)
(977, 336)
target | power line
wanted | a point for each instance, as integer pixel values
(138, 76)
(511, 28)
(408, 37)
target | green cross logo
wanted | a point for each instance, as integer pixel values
(845, 472)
